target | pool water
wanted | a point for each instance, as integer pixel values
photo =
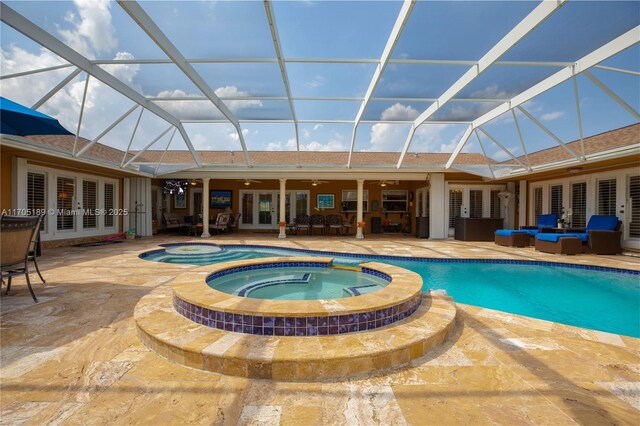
(299, 283)
(595, 299)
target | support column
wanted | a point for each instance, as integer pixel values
(522, 220)
(438, 222)
(510, 220)
(283, 218)
(205, 208)
(424, 203)
(359, 214)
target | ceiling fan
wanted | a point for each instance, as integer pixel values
(248, 182)
(384, 183)
(316, 182)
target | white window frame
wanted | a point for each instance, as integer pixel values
(52, 174)
(365, 200)
(398, 191)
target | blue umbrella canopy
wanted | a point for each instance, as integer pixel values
(22, 121)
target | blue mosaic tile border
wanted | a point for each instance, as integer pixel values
(355, 291)
(418, 259)
(442, 260)
(296, 326)
(243, 292)
(375, 273)
(236, 269)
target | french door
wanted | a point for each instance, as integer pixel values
(260, 209)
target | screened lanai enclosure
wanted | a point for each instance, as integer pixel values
(160, 87)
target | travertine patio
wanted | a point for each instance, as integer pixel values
(74, 358)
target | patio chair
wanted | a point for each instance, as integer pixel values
(317, 222)
(346, 226)
(34, 250)
(18, 235)
(171, 221)
(525, 236)
(234, 222)
(334, 222)
(602, 236)
(221, 223)
(303, 221)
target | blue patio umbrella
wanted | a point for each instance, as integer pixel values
(22, 121)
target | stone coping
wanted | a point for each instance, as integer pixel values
(191, 287)
(316, 358)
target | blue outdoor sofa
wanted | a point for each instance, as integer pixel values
(524, 236)
(602, 236)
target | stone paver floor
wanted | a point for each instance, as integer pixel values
(74, 358)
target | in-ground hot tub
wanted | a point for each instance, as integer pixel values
(309, 281)
(209, 306)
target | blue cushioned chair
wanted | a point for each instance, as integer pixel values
(522, 237)
(602, 236)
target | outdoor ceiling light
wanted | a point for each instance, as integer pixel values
(193, 182)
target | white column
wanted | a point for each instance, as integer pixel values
(205, 208)
(283, 217)
(509, 221)
(522, 211)
(438, 222)
(359, 214)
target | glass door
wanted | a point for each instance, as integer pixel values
(266, 210)
(632, 215)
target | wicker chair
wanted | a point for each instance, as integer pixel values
(303, 221)
(346, 226)
(334, 222)
(18, 234)
(234, 223)
(317, 222)
(222, 223)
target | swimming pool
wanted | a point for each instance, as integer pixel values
(585, 296)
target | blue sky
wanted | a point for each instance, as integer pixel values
(459, 30)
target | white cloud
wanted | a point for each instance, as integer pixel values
(315, 82)
(399, 112)
(491, 92)
(235, 106)
(91, 32)
(317, 126)
(554, 115)
(289, 145)
(306, 134)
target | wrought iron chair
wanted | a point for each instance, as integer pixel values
(334, 222)
(317, 222)
(303, 221)
(18, 235)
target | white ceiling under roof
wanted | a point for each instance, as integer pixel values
(503, 79)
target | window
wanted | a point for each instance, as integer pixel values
(37, 196)
(89, 204)
(350, 201)
(579, 205)
(455, 204)
(555, 203)
(65, 194)
(108, 204)
(495, 204)
(394, 201)
(607, 197)
(475, 203)
(634, 206)
(537, 203)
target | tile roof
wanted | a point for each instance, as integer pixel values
(617, 138)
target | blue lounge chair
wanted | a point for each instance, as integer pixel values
(524, 236)
(602, 236)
